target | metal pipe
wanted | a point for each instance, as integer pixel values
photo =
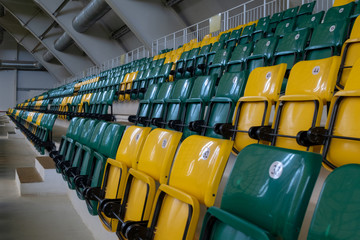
(95, 10)
(20, 65)
(48, 56)
(63, 42)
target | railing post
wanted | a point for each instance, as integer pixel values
(244, 14)
(264, 8)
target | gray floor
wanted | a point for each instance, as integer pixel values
(31, 217)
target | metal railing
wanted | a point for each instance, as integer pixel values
(244, 13)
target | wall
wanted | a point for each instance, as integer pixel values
(16, 86)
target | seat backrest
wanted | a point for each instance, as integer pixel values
(248, 30)
(110, 140)
(310, 87)
(261, 92)
(306, 8)
(291, 47)
(87, 131)
(265, 47)
(79, 128)
(276, 17)
(255, 189)
(285, 27)
(290, 13)
(97, 135)
(238, 57)
(339, 13)
(336, 213)
(231, 88)
(309, 21)
(327, 39)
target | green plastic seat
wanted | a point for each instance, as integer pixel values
(190, 62)
(285, 27)
(261, 29)
(217, 67)
(163, 75)
(336, 215)
(274, 20)
(199, 60)
(174, 104)
(70, 167)
(246, 34)
(339, 13)
(291, 47)
(86, 160)
(266, 195)
(158, 104)
(202, 91)
(309, 21)
(211, 54)
(306, 8)
(145, 105)
(290, 13)
(144, 82)
(181, 63)
(221, 108)
(107, 149)
(136, 83)
(223, 37)
(262, 54)
(233, 39)
(327, 40)
(238, 57)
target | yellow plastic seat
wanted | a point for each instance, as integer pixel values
(310, 87)
(123, 86)
(340, 139)
(116, 170)
(253, 109)
(128, 85)
(341, 2)
(194, 180)
(152, 169)
(349, 54)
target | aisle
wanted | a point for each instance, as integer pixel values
(31, 217)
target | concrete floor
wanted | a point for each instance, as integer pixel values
(31, 217)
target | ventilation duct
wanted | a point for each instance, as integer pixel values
(120, 32)
(95, 10)
(48, 56)
(63, 42)
(20, 65)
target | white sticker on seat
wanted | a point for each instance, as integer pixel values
(313, 18)
(235, 79)
(316, 70)
(206, 154)
(264, 23)
(287, 24)
(244, 49)
(332, 28)
(268, 75)
(341, 10)
(297, 36)
(164, 142)
(276, 170)
(267, 43)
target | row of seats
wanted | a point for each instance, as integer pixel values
(129, 203)
(37, 127)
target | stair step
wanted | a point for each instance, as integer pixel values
(46, 162)
(28, 175)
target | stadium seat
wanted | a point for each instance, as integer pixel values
(116, 171)
(306, 8)
(174, 105)
(285, 27)
(218, 64)
(246, 34)
(202, 91)
(290, 13)
(266, 195)
(233, 39)
(309, 21)
(194, 180)
(327, 40)
(349, 54)
(261, 93)
(261, 29)
(302, 105)
(262, 54)
(221, 107)
(152, 169)
(238, 57)
(336, 215)
(339, 13)
(340, 137)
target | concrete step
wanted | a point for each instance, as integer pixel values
(41, 179)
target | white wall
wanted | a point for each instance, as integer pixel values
(16, 86)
